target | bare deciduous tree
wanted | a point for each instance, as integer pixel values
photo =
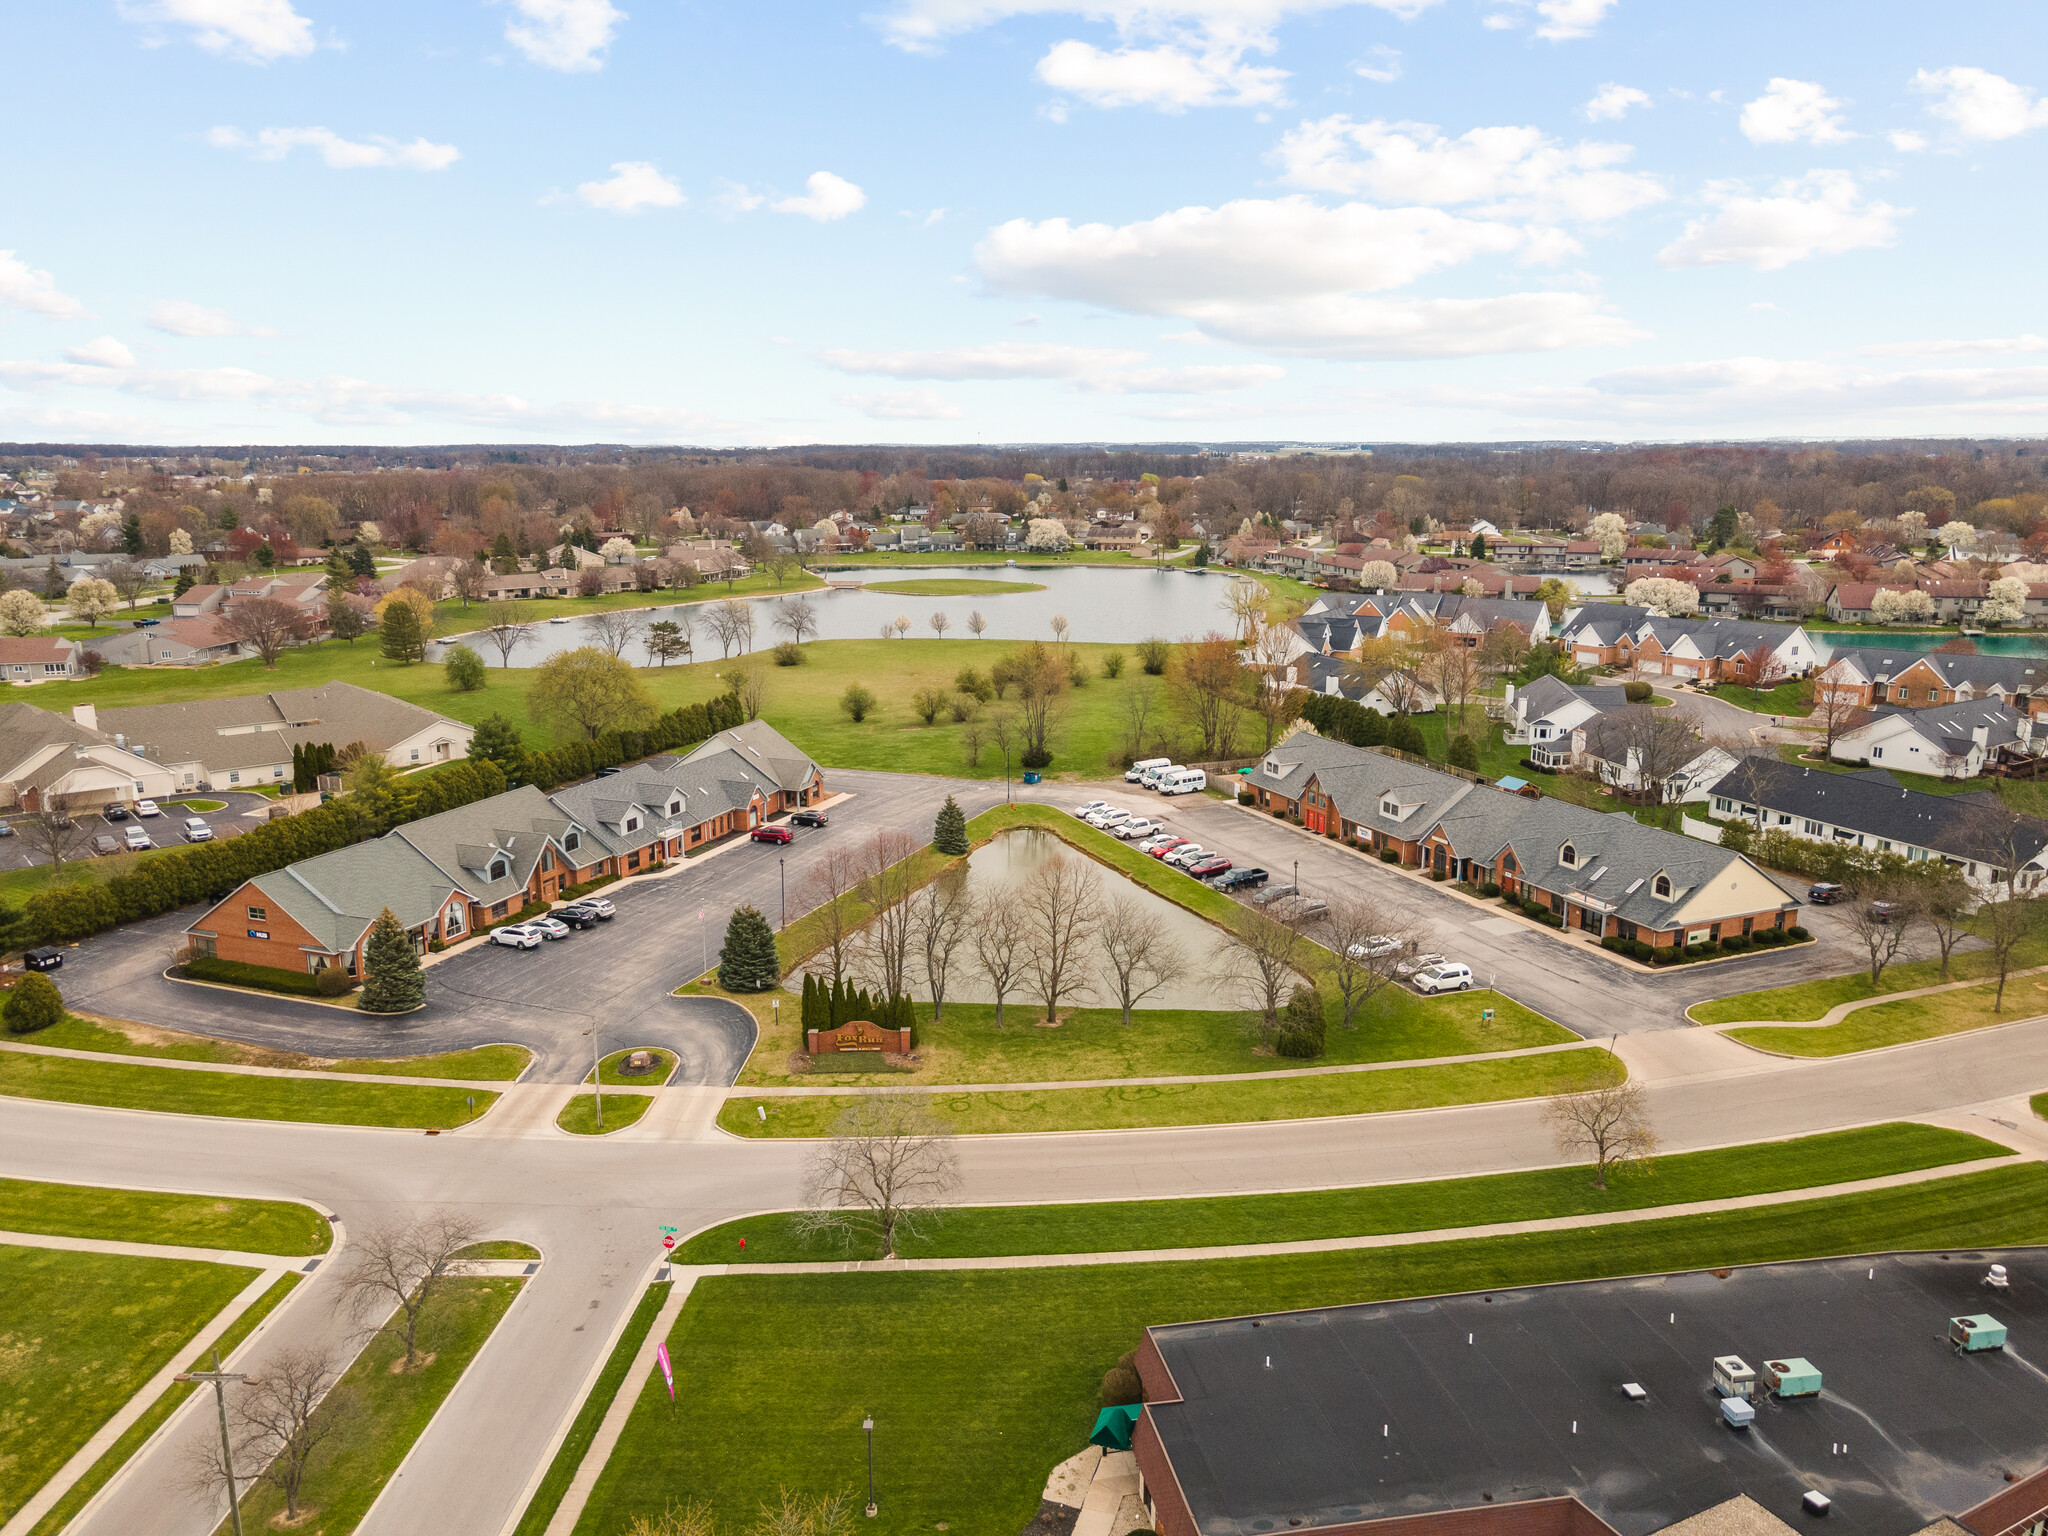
(887, 1169)
(1836, 712)
(731, 623)
(1139, 952)
(831, 880)
(510, 628)
(1610, 1125)
(1060, 628)
(613, 629)
(404, 1265)
(266, 625)
(942, 915)
(469, 580)
(749, 685)
(54, 832)
(1367, 941)
(941, 621)
(1002, 950)
(128, 578)
(2006, 841)
(795, 617)
(976, 623)
(1884, 911)
(275, 1428)
(1943, 900)
(1140, 708)
(1058, 900)
(1263, 956)
(885, 884)
(1245, 599)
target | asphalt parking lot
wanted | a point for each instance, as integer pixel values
(165, 831)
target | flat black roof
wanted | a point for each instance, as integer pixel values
(1371, 1411)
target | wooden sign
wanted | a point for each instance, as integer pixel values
(859, 1035)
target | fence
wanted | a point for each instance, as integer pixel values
(1705, 831)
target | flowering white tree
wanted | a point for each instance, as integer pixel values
(1663, 595)
(1891, 606)
(369, 533)
(1612, 533)
(1378, 573)
(2005, 603)
(1912, 527)
(1958, 533)
(92, 598)
(101, 527)
(1471, 588)
(181, 542)
(616, 551)
(1046, 533)
(21, 613)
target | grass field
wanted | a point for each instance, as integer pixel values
(547, 1498)
(182, 1221)
(1117, 1226)
(119, 1037)
(84, 1332)
(122, 1085)
(612, 1074)
(579, 1115)
(384, 1413)
(501, 1249)
(1132, 1105)
(981, 1381)
(1913, 1018)
(953, 586)
(1808, 1000)
(132, 1438)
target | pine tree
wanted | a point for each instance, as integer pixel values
(497, 741)
(949, 836)
(394, 983)
(747, 961)
(401, 633)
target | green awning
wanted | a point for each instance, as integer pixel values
(1114, 1426)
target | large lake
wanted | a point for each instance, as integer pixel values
(1099, 604)
(1988, 645)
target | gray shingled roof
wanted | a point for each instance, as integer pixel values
(26, 730)
(1872, 802)
(334, 712)
(766, 751)
(336, 896)
(1952, 724)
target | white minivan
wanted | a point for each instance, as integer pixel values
(1138, 770)
(1183, 781)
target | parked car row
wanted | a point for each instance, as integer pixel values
(559, 924)
(1166, 776)
(778, 832)
(1180, 852)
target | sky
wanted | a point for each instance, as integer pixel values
(1000, 221)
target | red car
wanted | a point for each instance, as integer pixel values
(773, 835)
(1205, 869)
(1168, 846)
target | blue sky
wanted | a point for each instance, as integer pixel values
(1022, 220)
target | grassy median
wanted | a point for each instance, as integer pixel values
(579, 1115)
(1131, 1106)
(1809, 1000)
(119, 1037)
(183, 1221)
(1910, 1019)
(1119, 1226)
(613, 1074)
(172, 1090)
(84, 1333)
(981, 1381)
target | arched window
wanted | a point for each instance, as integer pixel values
(500, 868)
(1568, 855)
(573, 841)
(1661, 886)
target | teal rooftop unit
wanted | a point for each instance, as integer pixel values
(1970, 1334)
(1792, 1377)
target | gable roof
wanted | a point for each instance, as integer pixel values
(461, 844)
(1874, 803)
(25, 730)
(765, 750)
(259, 728)
(1951, 726)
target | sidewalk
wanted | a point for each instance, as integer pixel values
(474, 1085)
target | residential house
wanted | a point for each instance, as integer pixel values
(38, 658)
(1622, 748)
(1544, 715)
(1953, 741)
(1604, 873)
(1860, 676)
(50, 759)
(1400, 692)
(1871, 810)
(1600, 634)
(1711, 650)
(174, 642)
(1580, 554)
(434, 574)
(1942, 678)
(1752, 599)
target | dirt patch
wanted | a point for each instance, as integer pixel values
(283, 1522)
(237, 1054)
(1053, 1520)
(398, 1365)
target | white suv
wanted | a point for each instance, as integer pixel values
(1446, 977)
(518, 936)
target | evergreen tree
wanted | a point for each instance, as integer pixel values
(362, 562)
(131, 535)
(393, 983)
(401, 634)
(497, 740)
(747, 961)
(35, 1003)
(950, 835)
(1463, 753)
(1404, 735)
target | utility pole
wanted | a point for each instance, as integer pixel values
(220, 1378)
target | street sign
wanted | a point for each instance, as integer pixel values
(667, 1229)
(1486, 1015)
(668, 1242)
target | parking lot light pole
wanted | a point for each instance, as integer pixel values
(1297, 877)
(783, 865)
(867, 1424)
(596, 1078)
(220, 1378)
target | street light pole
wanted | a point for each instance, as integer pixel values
(782, 864)
(867, 1424)
(220, 1378)
(596, 1078)
(1297, 877)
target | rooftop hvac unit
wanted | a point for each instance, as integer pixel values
(1995, 1278)
(1733, 1377)
(1792, 1377)
(1815, 1502)
(1737, 1412)
(1970, 1334)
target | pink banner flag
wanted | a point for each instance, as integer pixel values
(667, 1372)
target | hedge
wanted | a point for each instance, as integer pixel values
(268, 978)
(1343, 719)
(678, 728)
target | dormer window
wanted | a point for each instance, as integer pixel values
(500, 868)
(1661, 886)
(675, 807)
(573, 841)
(632, 824)
(1568, 856)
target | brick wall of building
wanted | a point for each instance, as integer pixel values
(230, 924)
(2004, 1513)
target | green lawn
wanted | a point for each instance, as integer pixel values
(953, 586)
(501, 1249)
(133, 1438)
(579, 1115)
(182, 1221)
(1926, 783)
(1117, 1226)
(612, 1069)
(386, 1412)
(1793, 699)
(2039, 1104)
(1913, 1018)
(118, 1037)
(121, 1085)
(84, 1332)
(1134, 1105)
(981, 1381)
(547, 1498)
(1807, 1000)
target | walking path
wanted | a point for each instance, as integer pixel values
(1841, 1011)
(159, 1251)
(315, 1074)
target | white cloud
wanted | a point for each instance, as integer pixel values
(1990, 344)
(907, 405)
(829, 197)
(1793, 110)
(634, 184)
(180, 317)
(25, 287)
(1980, 105)
(1195, 379)
(1170, 77)
(1819, 214)
(568, 35)
(921, 26)
(340, 154)
(1506, 172)
(107, 352)
(1382, 64)
(736, 197)
(1612, 101)
(1906, 141)
(1566, 19)
(996, 360)
(1372, 330)
(256, 31)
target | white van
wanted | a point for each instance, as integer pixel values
(1183, 781)
(1154, 775)
(1138, 770)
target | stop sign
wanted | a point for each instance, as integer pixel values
(668, 1242)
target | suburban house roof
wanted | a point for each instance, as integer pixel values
(26, 730)
(260, 728)
(505, 832)
(1548, 696)
(1873, 802)
(2009, 674)
(336, 896)
(1603, 623)
(29, 650)
(764, 750)
(1952, 727)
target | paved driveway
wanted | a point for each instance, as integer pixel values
(616, 977)
(238, 815)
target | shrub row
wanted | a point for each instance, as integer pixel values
(1344, 719)
(678, 728)
(1533, 909)
(268, 978)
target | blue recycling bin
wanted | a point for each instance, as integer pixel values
(1030, 778)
